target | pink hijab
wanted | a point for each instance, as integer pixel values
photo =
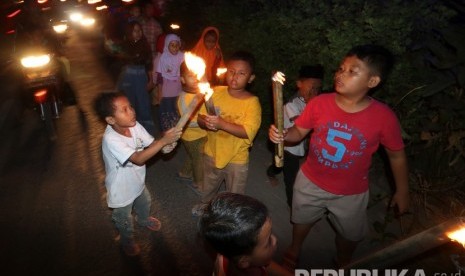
(169, 64)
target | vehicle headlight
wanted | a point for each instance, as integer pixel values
(35, 61)
(87, 22)
(75, 16)
(60, 28)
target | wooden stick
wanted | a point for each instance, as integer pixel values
(189, 110)
(278, 80)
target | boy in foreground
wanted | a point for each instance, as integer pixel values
(126, 146)
(348, 126)
(238, 227)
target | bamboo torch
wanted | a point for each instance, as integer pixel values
(198, 98)
(278, 82)
(205, 88)
(197, 66)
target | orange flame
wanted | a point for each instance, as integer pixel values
(221, 71)
(458, 236)
(197, 65)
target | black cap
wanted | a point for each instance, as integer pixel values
(311, 71)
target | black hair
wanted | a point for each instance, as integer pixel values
(104, 103)
(378, 59)
(130, 28)
(231, 224)
(311, 71)
(244, 56)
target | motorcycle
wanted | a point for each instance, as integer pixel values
(43, 82)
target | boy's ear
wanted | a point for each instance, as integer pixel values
(110, 120)
(374, 81)
(252, 77)
(183, 81)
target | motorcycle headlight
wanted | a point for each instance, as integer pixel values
(35, 61)
(75, 16)
(60, 28)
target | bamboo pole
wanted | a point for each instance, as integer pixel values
(189, 110)
(278, 81)
(410, 247)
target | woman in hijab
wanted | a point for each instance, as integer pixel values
(168, 76)
(209, 49)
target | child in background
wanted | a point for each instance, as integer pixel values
(135, 14)
(238, 227)
(193, 137)
(348, 127)
(208, 48)
(136, 77)
(126, 146)
(156, 91)
(308, 86)
(231, 132)
(169, 78)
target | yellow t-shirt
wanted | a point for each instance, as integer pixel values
(224, 147)
(192, 131)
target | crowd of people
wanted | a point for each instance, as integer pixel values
(336, 132)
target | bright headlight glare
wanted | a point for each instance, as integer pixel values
(75, 16)
(87, 22)
(60, 28)
(35, 61)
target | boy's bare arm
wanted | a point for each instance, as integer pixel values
(140, 157)
(399, 167)
(293, 134)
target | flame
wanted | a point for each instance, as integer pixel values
(205, 89)
(103, 7)
(174, 26)
(279, 77)
(221, 71)
(458, 236)
(197, 66)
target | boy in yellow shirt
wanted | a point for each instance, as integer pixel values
(193, 137)
(231, 132)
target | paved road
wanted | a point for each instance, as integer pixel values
(54, 219)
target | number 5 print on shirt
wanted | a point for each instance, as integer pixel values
(340, 147)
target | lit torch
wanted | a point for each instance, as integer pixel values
(278, 82)
(458, 236)
(196, 65)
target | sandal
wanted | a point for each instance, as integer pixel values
(153, 224)
(290, 261)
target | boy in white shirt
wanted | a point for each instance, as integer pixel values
(126, 146)
(308, 85)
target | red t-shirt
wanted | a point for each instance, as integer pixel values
(342, 144)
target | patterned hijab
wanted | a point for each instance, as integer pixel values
(169, 64)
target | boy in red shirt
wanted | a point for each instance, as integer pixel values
(348, 126)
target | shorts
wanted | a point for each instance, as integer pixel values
(347, 213)
(234, 176)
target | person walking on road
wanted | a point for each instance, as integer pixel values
(126, 146)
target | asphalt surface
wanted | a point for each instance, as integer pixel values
(53, 213)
